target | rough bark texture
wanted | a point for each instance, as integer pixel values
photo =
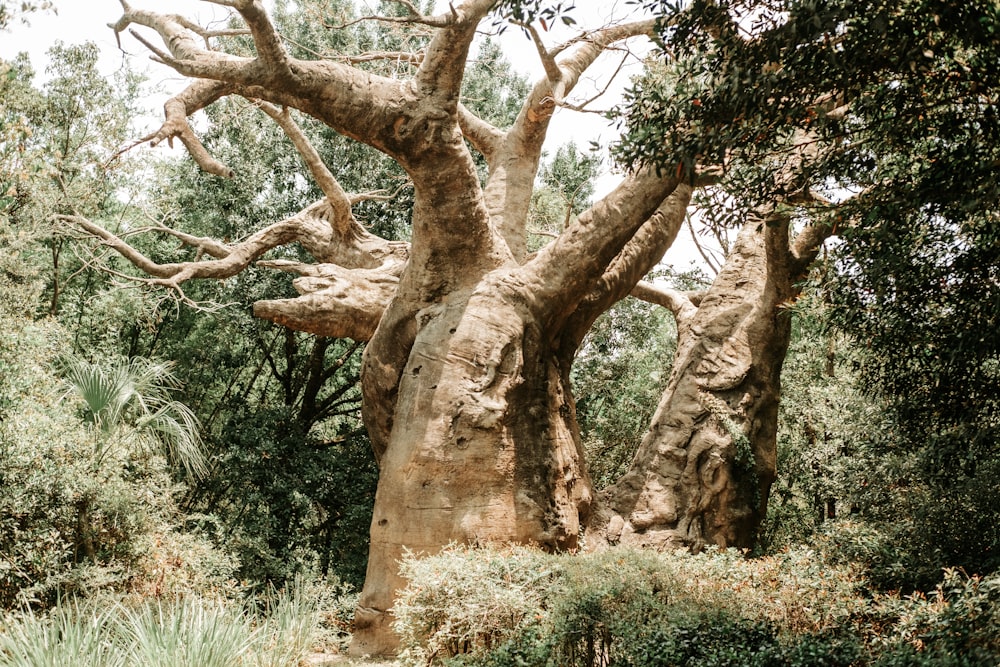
(704, 469)
(481, 441)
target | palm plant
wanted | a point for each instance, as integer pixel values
(128, 402)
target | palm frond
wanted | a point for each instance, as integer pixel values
(119, 395)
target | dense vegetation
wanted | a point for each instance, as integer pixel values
(181, 459)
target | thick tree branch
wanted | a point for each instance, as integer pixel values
(570, 267)
(440, 74)
(355, 103)
(682, 304)
(636, 259)
(334, 301)
(515, 165)
(806, 245)
(185, 53)
(270, 50)
(176, 111)
(483, 136)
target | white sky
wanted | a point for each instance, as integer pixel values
(86, 20)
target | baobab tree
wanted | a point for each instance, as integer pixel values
(470, 338)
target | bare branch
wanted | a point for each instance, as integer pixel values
(378, 195)
(552, 71)
(186, 54)
(592, 45)
(270, 50)
(173, 274)
(397, 56)
(639, 255)
(607, 85)
(515, 165)
(209, 34)
(202, 244)
(335, 194)
(413, 16)
(484, 137)
(441, 72)
(701, 250)
(176, 111)
(682, 304)
(587, 247)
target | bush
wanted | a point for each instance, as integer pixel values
(77, 516)
(957, 625)
(469, 601)
(516, 606)
(519, 606)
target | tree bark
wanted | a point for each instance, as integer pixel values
(484, 445)
(704, 469)
(476, 436)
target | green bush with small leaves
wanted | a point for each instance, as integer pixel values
(516, 606)
(519, 606)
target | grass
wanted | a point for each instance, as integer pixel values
(190, 631)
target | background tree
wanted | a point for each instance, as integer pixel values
(19, 10)
(79, 516)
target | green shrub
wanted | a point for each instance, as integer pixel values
(468, 601)
(519, 606)
(709, 640)
(957, 625)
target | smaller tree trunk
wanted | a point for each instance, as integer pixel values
(85, 530)
(704, 469)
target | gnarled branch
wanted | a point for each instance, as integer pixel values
(176, 111)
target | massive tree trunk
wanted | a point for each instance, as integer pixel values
(470, 339)
(704, 469)
(482, 446)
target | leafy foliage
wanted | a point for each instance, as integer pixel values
(135, 393)
(895, 99)
(10, 10)
(620, 607)
(76, 515)
(498, 607)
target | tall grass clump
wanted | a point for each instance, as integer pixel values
(185, 632)
(70, 635)
(276, 631)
